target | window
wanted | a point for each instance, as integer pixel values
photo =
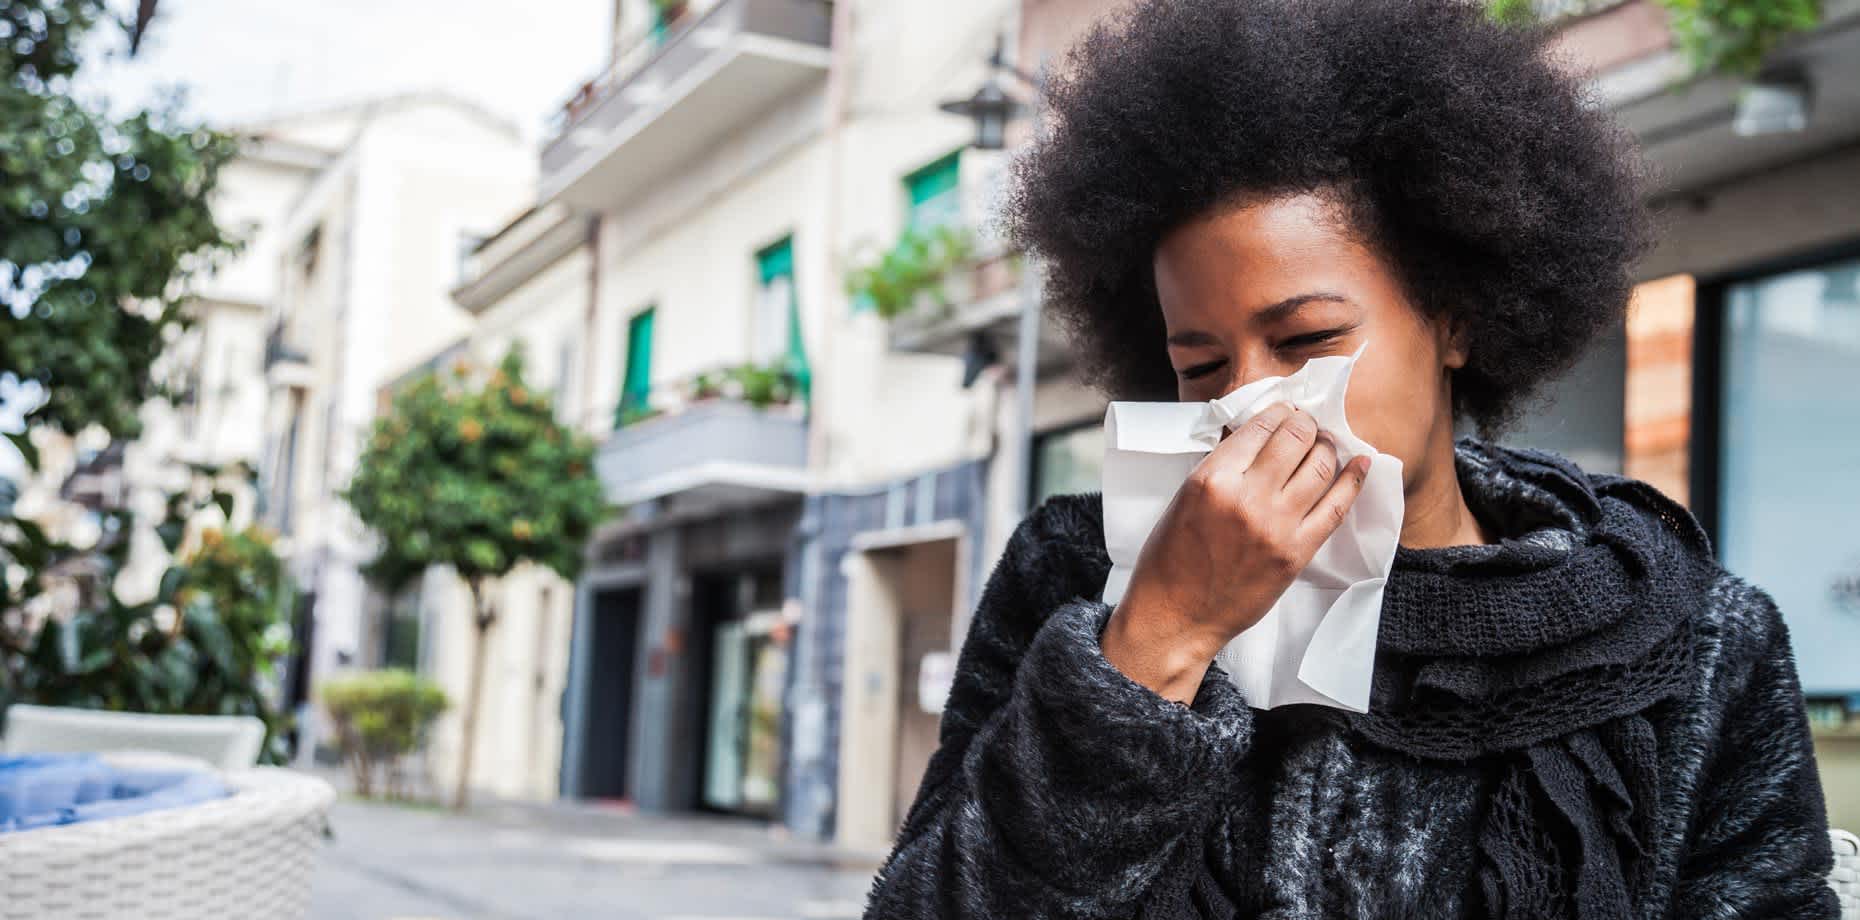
(1069, 460)
(636, 386)
(776, 332)
(935, 194)
(1789, 459)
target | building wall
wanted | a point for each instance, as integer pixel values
(519, 734)
(547, 314)
(690, 255)
(411, 175)
(885, 413)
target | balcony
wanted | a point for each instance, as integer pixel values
(632, 125)
(710, 456)
(1685, 126)
(982, 300)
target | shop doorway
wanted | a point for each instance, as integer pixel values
(607, 731)
(901, 606)
(741, 666)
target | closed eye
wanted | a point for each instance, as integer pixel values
(1202, 370)
(1315, 338)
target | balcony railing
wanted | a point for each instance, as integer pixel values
(666, 101)
(712, 453)
(983, 299)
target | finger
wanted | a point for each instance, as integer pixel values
(1313, 476)
(1238, 449)
(1327, 515)
(1283, 452)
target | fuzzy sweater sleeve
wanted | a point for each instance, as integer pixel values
(1061, 788)
(1759, 844)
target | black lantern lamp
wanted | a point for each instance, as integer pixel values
(991, 109)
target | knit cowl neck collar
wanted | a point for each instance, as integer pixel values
(1544, 653)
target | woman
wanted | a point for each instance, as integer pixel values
(1575, 712)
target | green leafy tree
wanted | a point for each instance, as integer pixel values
(474, 473)
(102, 221)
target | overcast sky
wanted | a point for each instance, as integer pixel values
(241, 60)
(246, 59)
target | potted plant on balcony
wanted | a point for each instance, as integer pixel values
(764, 386)
(1728, 37)
(923, 272)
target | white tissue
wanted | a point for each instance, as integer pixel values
(1318, 643)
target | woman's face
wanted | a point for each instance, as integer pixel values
(1258, 289)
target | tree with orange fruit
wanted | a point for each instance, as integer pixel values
(472, 470)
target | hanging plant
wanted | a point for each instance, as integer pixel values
(1734, 37)
(920, 262)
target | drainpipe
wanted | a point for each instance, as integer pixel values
(808, 799)
(838, 82)
(590, 322)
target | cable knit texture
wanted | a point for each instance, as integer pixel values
(1589, 718)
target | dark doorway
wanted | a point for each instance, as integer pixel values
(614, 650)
(297, 674)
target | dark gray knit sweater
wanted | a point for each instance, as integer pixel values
(1064, 789)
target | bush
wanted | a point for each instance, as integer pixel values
(208, 642)
(381, 716)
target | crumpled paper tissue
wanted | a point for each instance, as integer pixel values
(1318, 643)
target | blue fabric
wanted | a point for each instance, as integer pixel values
(45, 790)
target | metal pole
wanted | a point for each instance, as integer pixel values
(1025, 377)
(1027, 361)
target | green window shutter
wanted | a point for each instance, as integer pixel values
(774, 266)
(636, 386)
(777, 261)
(935, 194)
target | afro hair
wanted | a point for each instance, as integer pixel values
(1468, 159)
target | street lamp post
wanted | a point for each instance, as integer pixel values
(992, 109)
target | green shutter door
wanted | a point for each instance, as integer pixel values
(636, 387)
(775, 266)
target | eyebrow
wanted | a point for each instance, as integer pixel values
(1192, 338)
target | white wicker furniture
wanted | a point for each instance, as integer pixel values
(1846, 875)
(249, 855)
(227, 742)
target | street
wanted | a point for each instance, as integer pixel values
(413, 862)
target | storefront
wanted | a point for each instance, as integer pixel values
(679, 663)
(1778, 476)
(742, 667)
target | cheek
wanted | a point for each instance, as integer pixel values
(1393, 406)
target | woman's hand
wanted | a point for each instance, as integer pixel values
(1240, 528)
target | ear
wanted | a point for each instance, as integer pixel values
(1453, 343)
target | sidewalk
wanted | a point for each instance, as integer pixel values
(525, 860)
